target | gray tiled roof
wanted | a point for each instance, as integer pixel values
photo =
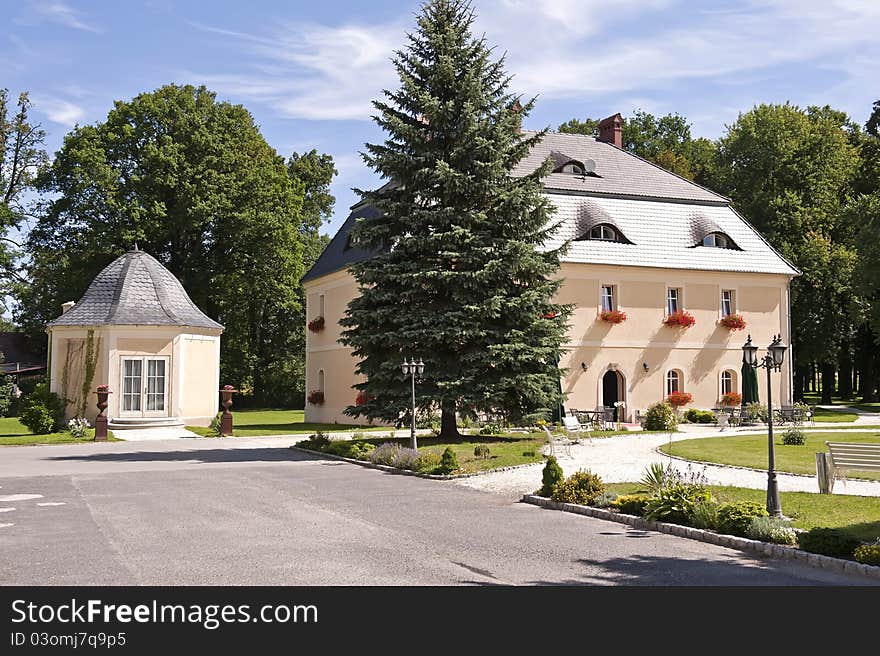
(618, 172)
(135, 290)
(338, 254)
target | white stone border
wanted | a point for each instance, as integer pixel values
(769, 549)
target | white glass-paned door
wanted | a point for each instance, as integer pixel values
(145, 387)
(132, 382)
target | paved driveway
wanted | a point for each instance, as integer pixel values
(253, 512)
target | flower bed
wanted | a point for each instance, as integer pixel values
(316, 325)
(680, 319)
(733, 322)
(612, 316)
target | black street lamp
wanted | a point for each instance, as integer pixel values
(771, 362)
(411, 369)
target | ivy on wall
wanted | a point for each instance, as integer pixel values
(80, 363)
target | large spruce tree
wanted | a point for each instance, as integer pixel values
(459, 277)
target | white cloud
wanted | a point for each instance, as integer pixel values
(562, 49)
(59, 110)
(56, 12)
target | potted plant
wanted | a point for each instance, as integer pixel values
(316, 325)
(679, 399)
(733, 322)
(612, 316)
(731, 399)
(680, 319)
(316, 397)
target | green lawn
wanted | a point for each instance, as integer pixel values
(252, 423)
(825, 415)
(859, 516)
(751, 451)
(13, 432)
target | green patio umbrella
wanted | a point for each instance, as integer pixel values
(749, 383)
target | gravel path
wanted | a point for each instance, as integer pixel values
(623, 458)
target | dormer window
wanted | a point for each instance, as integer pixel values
(573, 168)
(716, 240)
(604, 233)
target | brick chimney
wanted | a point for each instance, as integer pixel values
(611, 130)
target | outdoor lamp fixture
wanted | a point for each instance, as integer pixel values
(413, 369)
(584, 366)
(645, 366)
(771, 362)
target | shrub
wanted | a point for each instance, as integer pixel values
(581, 487)
(695, 416)
(215, 424)
(828, 542)
(43, 411)
(704, 515)
(771, 529)
(551, 476)
(756, 412)
(406, 459)
(481, 451)
(661, 417)
(657, 476)
(384, 453)
(675, 503)
(794, 437)
(358, 434)
(448, 461)
(78, 427)
(5, 395)
(869, 554)
(735, 518)
(604, 500)
(426, 420)
(428, 462)
(631, 504)
(491, 429)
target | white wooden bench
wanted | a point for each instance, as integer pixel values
(843, 457)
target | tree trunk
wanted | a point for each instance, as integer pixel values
(827, 382)
(800, 377)
(868, 381)
(845, 377)
(448, 424)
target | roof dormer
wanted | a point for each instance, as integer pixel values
(705, 232)
(563, 163)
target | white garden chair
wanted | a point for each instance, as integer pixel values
(574, 429)
(557, 442)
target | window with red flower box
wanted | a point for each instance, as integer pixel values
(679, 399)
(316, 324)
(612, 316)
(316, 397)
(733, 322)
(681, 319)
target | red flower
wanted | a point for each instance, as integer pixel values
(734, 322)
(679, 399)
(732, 399)
(612, 316)
(103, 389)
(316, 324)
(363, 398)
(316, 397)
(550, 315)
(681, 318)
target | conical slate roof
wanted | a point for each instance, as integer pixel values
(135, 290)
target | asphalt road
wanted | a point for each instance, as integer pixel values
(253, 512)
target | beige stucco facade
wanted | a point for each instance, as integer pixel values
(699, 354)
(191, 368)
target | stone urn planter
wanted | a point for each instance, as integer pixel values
(226, 418)
(103, 392)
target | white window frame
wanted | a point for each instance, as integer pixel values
(732, 293)
(715, 236)
(733, 382)
(615, 302)
(573, 168)
(679, 298)
(680, 381)
(602, 227)
(143, 412)
(320, 305)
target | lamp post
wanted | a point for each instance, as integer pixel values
(772, 361)
(411, 369)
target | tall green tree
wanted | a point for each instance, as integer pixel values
(665, 141)
(21, 156)
(459, 278)
(192, 181)
(789, 171)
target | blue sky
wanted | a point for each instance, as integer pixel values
(308, 70)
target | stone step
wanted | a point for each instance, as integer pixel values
(125, 423)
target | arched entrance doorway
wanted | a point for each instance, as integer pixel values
(613, 389)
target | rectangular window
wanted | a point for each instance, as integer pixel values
(727, 303)
(608, 304)
(673, 300)
(321, 305)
